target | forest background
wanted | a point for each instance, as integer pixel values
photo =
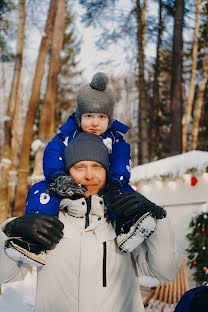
(155, 53)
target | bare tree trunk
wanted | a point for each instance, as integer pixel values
(47, 120)
(199, 104)
(155, 131)
(3, 80)
(12, 112)
(143, 117)
(190, 99)
(3, 100)
(14, 156)
(24, 167)
(46, 127)
(176, 83)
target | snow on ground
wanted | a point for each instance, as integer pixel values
(19, 296)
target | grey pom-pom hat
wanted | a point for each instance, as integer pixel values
(95, 97)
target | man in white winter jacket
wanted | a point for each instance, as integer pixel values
(85, 271)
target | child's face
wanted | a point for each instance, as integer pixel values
(94, 123)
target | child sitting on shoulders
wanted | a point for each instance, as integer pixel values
(94, 114)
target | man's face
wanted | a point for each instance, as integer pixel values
(89, 173)
(94, 123)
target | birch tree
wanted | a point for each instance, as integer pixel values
(47, 119)
(189, 104)
(24, 166)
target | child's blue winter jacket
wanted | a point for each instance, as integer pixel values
(38, 200)
(119, 151)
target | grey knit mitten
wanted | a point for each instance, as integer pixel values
(65, 186)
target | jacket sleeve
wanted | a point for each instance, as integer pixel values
(158, 255)
(10, 270)
(53, 162)
(39, 200)
(120, 162)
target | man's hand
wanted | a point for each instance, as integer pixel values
(127, 204)
(65, 186)
(109, 191)
(44, 229)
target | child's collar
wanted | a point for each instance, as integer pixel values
(119, 126)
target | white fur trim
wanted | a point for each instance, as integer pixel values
(16, 255)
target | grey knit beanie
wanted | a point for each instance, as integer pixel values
(95, 97)
(86, 146)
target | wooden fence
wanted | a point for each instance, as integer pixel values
(165, 296)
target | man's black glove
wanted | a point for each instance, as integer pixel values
(109, 191)
(127, 204)
(40, 228)
(65, 186)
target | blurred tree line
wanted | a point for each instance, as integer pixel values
(163, 97)
(172, 85)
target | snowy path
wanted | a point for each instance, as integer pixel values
(19, 296)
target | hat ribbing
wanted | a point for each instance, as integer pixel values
(86, 146)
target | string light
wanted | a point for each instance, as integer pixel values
(146, 188)
(172, 185)
(159, 184)
(187, 178)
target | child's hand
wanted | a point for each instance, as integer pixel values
(65, 186)
(109, 191)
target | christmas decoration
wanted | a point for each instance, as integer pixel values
(194, 181)
(198, 247)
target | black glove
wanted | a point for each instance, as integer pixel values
(127, 204)
(109, 191)
(65, 186)
(41, 228)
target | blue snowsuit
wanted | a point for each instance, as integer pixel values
(119, 153)
(184, 304)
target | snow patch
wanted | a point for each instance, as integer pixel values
(37, 144)
(172, 166)
(19, 296)
(5, 161)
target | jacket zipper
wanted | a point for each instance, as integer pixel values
(104, 264)
(88, 201)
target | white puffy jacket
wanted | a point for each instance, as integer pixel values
(87, 273)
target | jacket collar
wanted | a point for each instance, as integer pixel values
(70, 126)
(118, 126)
(78, 207)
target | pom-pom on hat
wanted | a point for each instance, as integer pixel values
(86, 146)
(95, 97)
